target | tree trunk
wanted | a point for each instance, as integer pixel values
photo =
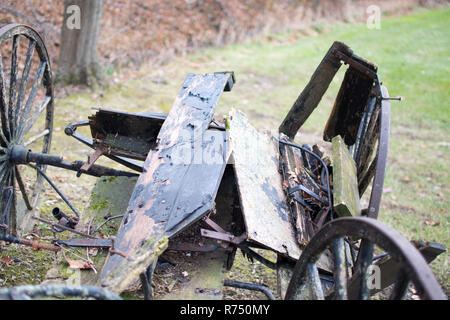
(78, 62)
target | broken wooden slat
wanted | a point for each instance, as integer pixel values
(131, 135)
(263, 202)
(368, 149)
(349, 106)
(363, 183)
(291, 165)
(125, 134)
(345, 184)
(314, 90)
(181, 175)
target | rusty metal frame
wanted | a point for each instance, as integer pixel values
(382, 154)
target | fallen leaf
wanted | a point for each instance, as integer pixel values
(77, 264)
(6, 260)
(432, 223)
(387, 190)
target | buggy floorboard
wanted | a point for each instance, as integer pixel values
(181, 175)
(263, 202)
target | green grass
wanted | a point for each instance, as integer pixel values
(413, 54)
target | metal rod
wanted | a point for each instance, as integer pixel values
(300, 187)
(107, 220)
(64, 227)
(258, 257)
(130, 163)
(55, 188)
(250, 286)
(57, 161)
(31, 243)
(330, 199)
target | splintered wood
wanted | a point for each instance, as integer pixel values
(256, 163)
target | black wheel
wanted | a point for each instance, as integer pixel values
(26, 110)
(403, 264)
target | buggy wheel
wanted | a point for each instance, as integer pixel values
(411, 267)
(26, 111)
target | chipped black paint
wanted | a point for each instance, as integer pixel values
(170, 195)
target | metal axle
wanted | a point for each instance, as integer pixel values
(21, 155)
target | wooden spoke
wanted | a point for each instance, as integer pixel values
(401, 285)
(12, 209)
(22, 188)
(3, 106)
(13, 82)
(340, 270)
(36, 137)
(24, 80)
(29, 104)
(314, 282)
(36, 115)
(3, 169)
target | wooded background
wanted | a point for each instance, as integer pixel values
(132, 32)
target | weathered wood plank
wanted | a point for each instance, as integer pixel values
(181, 174)
(314, 90)
(345, 184)
(349, 106)
(124, 133)
(263, 202)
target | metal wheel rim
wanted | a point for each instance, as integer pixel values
(20, 33)
(378, 233)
